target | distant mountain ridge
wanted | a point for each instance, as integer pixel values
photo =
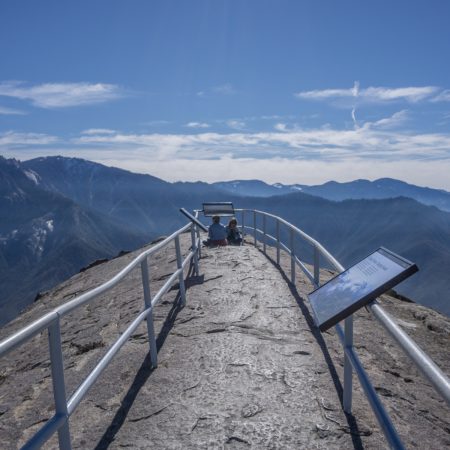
(59, 214)
(382, 188)
(46, 237)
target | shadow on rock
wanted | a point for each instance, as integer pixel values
(146, 369)
(354, 430)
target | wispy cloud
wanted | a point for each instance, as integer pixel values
(281, 127)
(410, 94)
(376, 141)
(96, 131)
(197, 125)
(372, 94)
(443, 96)
(355, 93)
(374, 149)
(61, 95)
(397, 119)
(222, 89)
(12, 139)
(11, 111)
(236, 124)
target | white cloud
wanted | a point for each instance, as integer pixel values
(11, 111)
(14, 139)
(280, 127)
(355, 93)
(197, 125)
(398, 118)
(354, 116)
(443, 96)
(61, 95)
(372, 94)
(95, 131)
(236, 124)
(410, 94)
(374, 141)
(371, 150)
(325, 94)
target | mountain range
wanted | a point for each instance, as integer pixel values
(359, 189)
(59, 214)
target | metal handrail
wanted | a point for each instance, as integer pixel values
(51, 321)
(425, 364)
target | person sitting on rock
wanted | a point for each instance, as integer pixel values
(233, 233)
(217, 234)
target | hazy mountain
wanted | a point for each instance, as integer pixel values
(45, 237)
(378, 189)
(144, 202)
(332, 190)
(59, 214)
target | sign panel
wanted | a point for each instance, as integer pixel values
(357, 286)
(218, 209)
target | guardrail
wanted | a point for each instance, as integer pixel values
(425, 364)
(51, 321)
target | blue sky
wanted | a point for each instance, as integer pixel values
(284, 91)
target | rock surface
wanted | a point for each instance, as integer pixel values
(240, 366)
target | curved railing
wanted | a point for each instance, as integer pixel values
(351, 361)
(65, 407)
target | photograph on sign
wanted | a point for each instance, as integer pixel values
(357, 286)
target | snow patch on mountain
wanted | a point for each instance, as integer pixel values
(33, 176)
(37, 239)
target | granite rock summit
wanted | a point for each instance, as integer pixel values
(240, 366)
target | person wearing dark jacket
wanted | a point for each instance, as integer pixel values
(233, 233)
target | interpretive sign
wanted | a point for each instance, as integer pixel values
(218, 209)
(357, 286)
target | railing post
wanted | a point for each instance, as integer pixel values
(180, 266)
(348, 371)
(254, 227)
(264, 232)
(278, 242)
(316, 266)
(292, 257)
(243, 224)
(199, 249)
(195, 250)
(59, 386)
(148, 304)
